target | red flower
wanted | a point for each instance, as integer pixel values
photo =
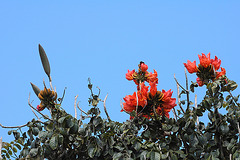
(152, 77)
(130, 75)
(168, 101)
(143, 67)
(205, 61)
(216, 63)
(220, 74)
(206, 70)
(40, 107)
(191, 66)
(200, 82)
(153, 89)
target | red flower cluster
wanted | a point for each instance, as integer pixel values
(144, 101)
(206, 70)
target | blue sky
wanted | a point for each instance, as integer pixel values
(102, 40)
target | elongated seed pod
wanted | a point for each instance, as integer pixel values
(44, 59)
(35, 89)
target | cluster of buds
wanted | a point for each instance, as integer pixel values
(47, 98)
(206, 70)
(147, 102)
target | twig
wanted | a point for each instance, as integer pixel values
(37, 110)
(121, 104)
(180, 84)
(13, 126)
(35, 114)
(178, 95)
(63, 95)
(188, 102)
(238, 130)
(50, 82)
(233, 98)
(81, 109)
(75, 108)
(105, 109)
(174, 114)
(196, 108)
(1, 148)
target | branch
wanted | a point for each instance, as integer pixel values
(75, 108)
(178, 94)
(180, 84)
(105, 109)
(188, 102)
(35, 114)
(13, 126)
(238, 130)
(83, 111)
(50, 82)
(233, 98)
(121, 104)
(63, 95)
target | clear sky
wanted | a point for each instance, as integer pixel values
(102, 40)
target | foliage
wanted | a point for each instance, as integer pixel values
(62, 136)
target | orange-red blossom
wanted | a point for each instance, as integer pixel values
(144, 100)
(206, 70)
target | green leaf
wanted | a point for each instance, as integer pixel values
(35, 131)
(92, 150)
(61, 120)
(224, 128)
(117, 156)
(137, 146)
(33, 152)
(49, 127)
(53, 142)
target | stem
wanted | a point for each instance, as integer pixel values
(75, 108)
(188, 102)
(233, 98)
(178, 93)
(105, 109)
(196, 108)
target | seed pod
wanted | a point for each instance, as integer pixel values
(35, 89)
(44, 59)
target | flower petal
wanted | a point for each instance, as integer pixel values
(205, 61)
(191, 66)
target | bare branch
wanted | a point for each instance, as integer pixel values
(83, 111)
(180, 84)
(35, 114)
(63, 95)
(50, 82)
(105, 109)
(13, 126)
(188, 102)
(233, 98)
(178, 95)
(75, 108)
(121, 104)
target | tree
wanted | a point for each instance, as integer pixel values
(149, 134)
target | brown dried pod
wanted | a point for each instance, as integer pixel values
(35, 89)
(44, 59)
